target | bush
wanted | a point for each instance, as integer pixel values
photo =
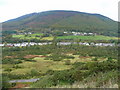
(5, 83)
(34, 73)
(50, 72)
(67, 62)
(58, 57)
(95, 59)
(29, 60)
(8, 70)
(43, 83)
(78, 75)
(16, 66)
(11, 61)
(63, 76)
(109, 59)
(80, 66)
(17, 62)
(107, 78)
(17, 76)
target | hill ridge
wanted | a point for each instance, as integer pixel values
(64, 19)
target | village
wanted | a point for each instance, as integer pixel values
(73, 33)
(59, 43)
(81, 33)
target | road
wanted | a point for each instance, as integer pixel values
(24, 80)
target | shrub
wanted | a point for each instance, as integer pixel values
(67, 62)
(80, 66)
(17, 62)
(11, 61)
(8, 70)
(107, 78)
(50, 72)
(5, 83)
(63, 76)
(58, 57)
(109, 59)
(95, 59)
(43, 83)
(34, 72)
(16, 66)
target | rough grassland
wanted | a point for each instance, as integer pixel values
(42, 65)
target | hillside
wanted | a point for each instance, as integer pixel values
(64, 20)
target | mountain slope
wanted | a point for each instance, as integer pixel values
(64, 20)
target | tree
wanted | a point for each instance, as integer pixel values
(5, 82)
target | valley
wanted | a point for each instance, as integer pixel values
(60, 49)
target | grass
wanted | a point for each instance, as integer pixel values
(42, 66)
(38, 36)
(47, 38)
(100, 80)
(30, 36)
(18, 36)
(97, 37)
(33, 36)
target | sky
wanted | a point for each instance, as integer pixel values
(11, 9)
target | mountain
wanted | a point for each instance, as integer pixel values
(64, 20)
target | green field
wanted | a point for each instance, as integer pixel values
(98, 37)
(47, 38)
(71, 37)
(30, 36)
(33, 36)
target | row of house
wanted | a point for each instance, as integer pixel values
(25, 33)
(82, 33)
(59, 43)
(87, 44)
(23, 44)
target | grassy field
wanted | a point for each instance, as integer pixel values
(93, 81)
(61, 66)
(98, 37)
(38, 36)
(30, 36)
(33, 36)
(42, 66)
(47, 38)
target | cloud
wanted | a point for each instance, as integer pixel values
(15, 8)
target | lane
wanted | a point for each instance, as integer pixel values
(24, 80)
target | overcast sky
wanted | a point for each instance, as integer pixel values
(14, 8)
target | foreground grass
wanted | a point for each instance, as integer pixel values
(79, 78)
(42, 66)
(61, 66)
(79, 72)
(100, 80)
